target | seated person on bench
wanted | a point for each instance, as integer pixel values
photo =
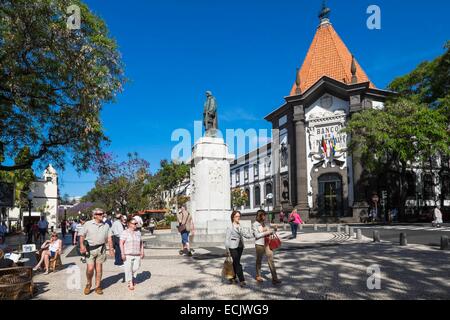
(4, 262)
(51, 249)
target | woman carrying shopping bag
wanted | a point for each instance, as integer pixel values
(234, 244)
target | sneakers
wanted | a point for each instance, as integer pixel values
(243, 284)
(46, 272)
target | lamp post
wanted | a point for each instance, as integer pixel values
(30, 203)
(30, 206)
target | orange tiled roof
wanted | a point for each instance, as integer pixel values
(328, 56)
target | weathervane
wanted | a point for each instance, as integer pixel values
(324, 14)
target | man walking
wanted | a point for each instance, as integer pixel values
(93, 238)
(184, 228)
(116, 230)
(437, 216)
(43, 229)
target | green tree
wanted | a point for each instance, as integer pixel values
(121, 185)
(394, 139)
(429, 83)
(53, 83)
(238, 198)
(169, 178)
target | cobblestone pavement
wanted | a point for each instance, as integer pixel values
(332, 270)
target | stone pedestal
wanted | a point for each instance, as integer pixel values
(210, 185)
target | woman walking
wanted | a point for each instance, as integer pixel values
(260, 231)
(132, 249)
(295, 220)
(234, 244)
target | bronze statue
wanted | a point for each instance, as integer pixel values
(210, 120)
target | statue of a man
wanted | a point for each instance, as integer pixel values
(210, 114)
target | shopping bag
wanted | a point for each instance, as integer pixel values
(228, 271)
(273, 242)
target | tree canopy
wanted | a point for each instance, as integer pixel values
(120, 185)
(411, 130)
(429, 83)
(53, 83)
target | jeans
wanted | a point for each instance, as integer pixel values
(132, 264)
(236, 255)
(185, 237)
(260, 252)
(294, 229)
(117, 253)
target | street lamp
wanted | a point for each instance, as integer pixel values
(30, 203)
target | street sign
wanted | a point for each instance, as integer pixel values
(6, 195)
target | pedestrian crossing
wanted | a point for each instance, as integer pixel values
(410, 228)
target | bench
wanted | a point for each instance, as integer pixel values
(16, 283)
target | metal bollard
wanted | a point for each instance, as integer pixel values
(339, 228)
(347, 229)
(444, 243)
(284, 226)
(301, 227)
(328, 228)
(352, 232)
(403, 240)
(376, 236)
(359, 234)
(315, 227)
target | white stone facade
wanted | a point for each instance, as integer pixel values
(45, 199)
(253, 173)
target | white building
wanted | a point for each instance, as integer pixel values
(253, 173)
(45, 200)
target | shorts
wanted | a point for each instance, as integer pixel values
(97, 256)
(185, 237)
(52, 254)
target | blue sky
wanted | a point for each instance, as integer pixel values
(246, 53)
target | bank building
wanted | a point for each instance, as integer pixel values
(310, 168)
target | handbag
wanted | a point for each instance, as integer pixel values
(228, 270)
(273, 242)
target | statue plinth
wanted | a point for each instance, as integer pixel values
(210, 185)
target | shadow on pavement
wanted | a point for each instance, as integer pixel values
(331, 273)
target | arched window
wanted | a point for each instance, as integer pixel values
(445, 187)
(428, 187)
(268, 190)
(411, 180)
(257, 196)
(247, 203)
(330, 195)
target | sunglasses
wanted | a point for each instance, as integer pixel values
(135, 223)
